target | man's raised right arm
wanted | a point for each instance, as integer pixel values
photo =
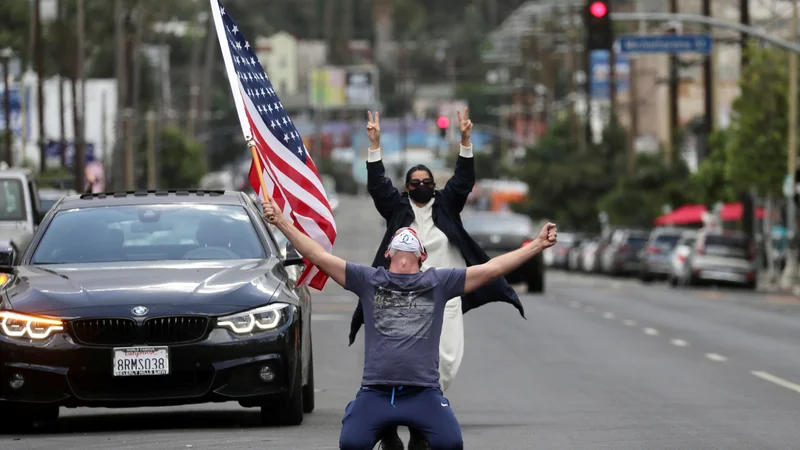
(330, 265)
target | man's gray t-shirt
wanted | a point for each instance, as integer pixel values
(403, 316)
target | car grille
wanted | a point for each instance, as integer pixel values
(154, 331)
(100, 385)
(108, 331)
(174, 330)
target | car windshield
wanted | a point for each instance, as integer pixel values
(149, 233)
(12, 200)
(667, 240)
(636, 241)
(720, 245)
(497, 224)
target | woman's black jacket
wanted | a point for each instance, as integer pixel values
(447, 207)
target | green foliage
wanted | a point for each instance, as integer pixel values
(181, 160)
(14, 30)
(755, 156)
(710, 184)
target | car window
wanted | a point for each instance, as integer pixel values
(12, 200)
(720, 245)
(149, 233)
(636, 241)
(667, 240)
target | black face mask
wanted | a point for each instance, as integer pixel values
(422, 194)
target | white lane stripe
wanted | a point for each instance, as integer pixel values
(630, 323)
(716, 357)
(608, 315)
(777, 380)
(679, 343)
(651, 331)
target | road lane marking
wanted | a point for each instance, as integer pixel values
(608, 315)
(575, 305)
(716, 357)
(589, 309)
(630, 323)
(651, 331)
(679, 343)
(777, 380)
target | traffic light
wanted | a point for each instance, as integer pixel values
(597, 18)
(443, 122)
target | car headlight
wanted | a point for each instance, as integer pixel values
(18, 325)
(260, 319)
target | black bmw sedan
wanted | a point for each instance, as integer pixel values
(154, 298)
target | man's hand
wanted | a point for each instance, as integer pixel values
(548, 236)
(272, 214)
(465, 125)
(374, 130)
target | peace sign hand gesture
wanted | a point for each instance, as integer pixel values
(465, 125)
(374, 130)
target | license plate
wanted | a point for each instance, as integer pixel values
(139, 361)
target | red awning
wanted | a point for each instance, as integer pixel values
(689, 214)
(683, 215)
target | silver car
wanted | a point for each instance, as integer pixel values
(722, 257)
(655, 256)
(678, 258)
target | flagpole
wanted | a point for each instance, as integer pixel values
(259, 170)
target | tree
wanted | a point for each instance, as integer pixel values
(755, 156)
(710, 184)
(182, 165)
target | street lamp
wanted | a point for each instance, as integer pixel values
(5, 56)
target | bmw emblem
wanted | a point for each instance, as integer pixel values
(139, 311)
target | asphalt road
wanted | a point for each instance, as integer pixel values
(599, 364)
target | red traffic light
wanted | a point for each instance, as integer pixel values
(598, 9)
(443, 122)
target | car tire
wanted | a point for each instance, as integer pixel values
(673, 281)
(645, 277)
(536, 284)
(289, 412)
(308, 389)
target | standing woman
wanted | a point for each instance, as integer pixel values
(435, 215)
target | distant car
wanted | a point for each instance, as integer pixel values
(154, 299)
(48, 197)
(498, 233)
(589, 256)
(621, 256)
(656, 263)
(678, 257)
(556, 256)
(722, 257)
(574, 255)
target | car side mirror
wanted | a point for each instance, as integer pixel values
(293, 258)
(6, 257)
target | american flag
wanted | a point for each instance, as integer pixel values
(290, 176)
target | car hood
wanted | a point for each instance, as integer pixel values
(185, 287)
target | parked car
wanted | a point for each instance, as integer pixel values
(621, 256)
(129, 300)
(589, 256)
(574, 254)
(722, 257)
(20, 210)
(556, 256)
(678, 257)
(501, 232)
(655, 257)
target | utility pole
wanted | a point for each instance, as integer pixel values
(708, 81)
(572, 60)
(120, 69)
(79, 162)
(39, 51)
(744, 18)
(62, 127)
(787, 280)
(194, 81)
(151, 150)
(9, 133)
(674, 118)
